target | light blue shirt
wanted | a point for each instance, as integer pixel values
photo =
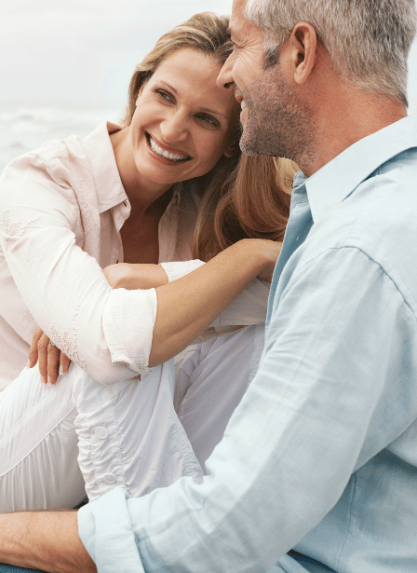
(321, 454)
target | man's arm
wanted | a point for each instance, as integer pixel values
(47, 541)
(307, 421)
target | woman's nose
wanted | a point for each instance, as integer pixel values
(225, 77)
(174, 128)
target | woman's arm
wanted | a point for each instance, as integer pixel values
(131, 277)
(51, 361)
(188, 305)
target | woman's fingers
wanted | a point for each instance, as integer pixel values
(48, 360)
(33, 350)
(43, 344)
(52, 369)
(64, 363)
(51, 361)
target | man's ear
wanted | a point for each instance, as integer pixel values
(302, 46)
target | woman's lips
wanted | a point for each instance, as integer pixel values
(163, 153)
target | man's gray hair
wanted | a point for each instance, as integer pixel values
(367, 40)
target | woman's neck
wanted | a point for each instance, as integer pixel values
(140, 232)
(143, 195)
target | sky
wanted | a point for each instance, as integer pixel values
(86, 50)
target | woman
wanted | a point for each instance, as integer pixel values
(122, 194)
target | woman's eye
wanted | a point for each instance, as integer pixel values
(164, 95)
(209, 120)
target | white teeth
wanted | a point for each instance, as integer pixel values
(242, 105)
(166, 154)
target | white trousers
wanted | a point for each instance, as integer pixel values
(137, 435)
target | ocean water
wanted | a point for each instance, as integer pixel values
(25, 126)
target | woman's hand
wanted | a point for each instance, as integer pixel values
(132, 277)
(271, 251)
(52, 362)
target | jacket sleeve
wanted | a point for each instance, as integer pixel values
(106, 332)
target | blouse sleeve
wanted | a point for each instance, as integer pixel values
(106, 332)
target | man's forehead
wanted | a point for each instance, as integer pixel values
(242, 29)
(237, 20)
(238, 8)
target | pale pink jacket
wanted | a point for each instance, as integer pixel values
(61, 210)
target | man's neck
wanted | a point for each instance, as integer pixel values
(344, 118)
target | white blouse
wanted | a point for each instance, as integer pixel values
(61, 210)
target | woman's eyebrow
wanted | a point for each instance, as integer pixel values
(212, 112)
(169, 86)
(202, 109)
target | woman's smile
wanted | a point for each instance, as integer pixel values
(165, 154)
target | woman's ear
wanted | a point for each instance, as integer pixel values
(231, 150)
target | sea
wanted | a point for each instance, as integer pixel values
(26, 125)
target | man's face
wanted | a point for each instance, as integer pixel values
(274, 120)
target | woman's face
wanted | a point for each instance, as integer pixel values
(183, 121)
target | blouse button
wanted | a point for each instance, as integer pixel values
(109, 478)
(101, 433)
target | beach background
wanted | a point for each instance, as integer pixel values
(65, 65)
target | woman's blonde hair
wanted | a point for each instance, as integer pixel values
(243, 196)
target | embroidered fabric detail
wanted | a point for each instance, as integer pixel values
(14, 230)
(67, 343)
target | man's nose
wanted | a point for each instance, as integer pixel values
(225, 77)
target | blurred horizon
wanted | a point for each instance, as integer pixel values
(86, 50)
(66, 66)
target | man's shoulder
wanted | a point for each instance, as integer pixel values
(379, 215)
(377, 221)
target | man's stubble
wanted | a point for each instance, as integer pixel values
(278, 124)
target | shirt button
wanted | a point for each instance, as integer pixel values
(110, 478)
(101, 433)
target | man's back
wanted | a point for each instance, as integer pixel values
(353, 286)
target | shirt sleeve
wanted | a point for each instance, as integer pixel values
(63, 287)
(177, 269)
(329, 394)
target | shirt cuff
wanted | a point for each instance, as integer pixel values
(106, 532)
(128, 324)
(177, 270)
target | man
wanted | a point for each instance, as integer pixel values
(317, 471)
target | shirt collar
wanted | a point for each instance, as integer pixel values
(341, 176)
(99, 150)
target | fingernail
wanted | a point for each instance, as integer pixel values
(61, 371)
(43, 379)
(28, 364)
(49, 381)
